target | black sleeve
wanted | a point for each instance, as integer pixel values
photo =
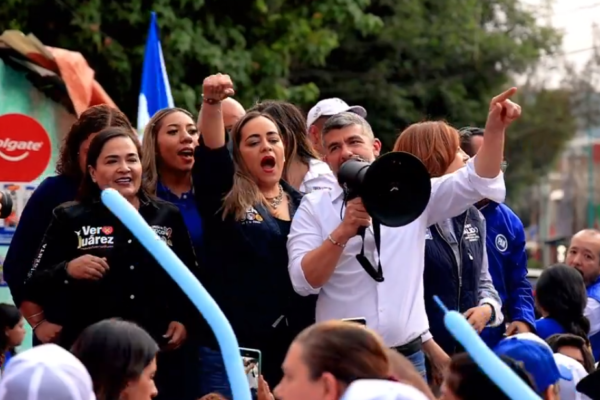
(34, 220)
(179, 305)
(48, 271)
(213, 178)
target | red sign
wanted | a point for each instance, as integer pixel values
(25, 148)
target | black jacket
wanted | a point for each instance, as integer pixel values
(135, 288)
(246, 269)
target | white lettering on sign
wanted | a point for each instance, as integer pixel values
(11, 145)
(90, 237)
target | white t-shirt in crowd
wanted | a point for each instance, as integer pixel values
(394, 308)
(592, 312)
(318, 177)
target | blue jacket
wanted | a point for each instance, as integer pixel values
(33, 223)
(456, 271)
(593, 292)
(508, 267)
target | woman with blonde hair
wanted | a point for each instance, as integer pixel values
(456, 265)
(168, 145)
(246, 209)
(303, 169)
(170, 139)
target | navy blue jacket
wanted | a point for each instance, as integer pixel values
(33, 223)
(508, 267)
(246, 261)
(456, 271)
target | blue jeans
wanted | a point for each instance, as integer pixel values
(418, 361)
(213, 376)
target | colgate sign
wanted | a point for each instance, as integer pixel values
(25, 148)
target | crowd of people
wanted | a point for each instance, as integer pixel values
(249, 200)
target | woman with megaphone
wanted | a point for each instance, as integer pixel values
(330, 259)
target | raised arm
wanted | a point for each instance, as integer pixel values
(215, 89)
(482, 178)
(213, 167)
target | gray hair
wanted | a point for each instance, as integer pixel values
(344, 120)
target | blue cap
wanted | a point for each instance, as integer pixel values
(537, 358)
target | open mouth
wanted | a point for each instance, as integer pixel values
(268, 163)
(124, 181)
(186, 153)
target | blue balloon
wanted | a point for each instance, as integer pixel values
(190, 286)
(492, 366)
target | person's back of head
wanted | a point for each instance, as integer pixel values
(46, 372)
(117, 354)
(467, 381)
(330, 356)
(561, 295)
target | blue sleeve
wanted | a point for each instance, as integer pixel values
(520, 292)
(34, 220)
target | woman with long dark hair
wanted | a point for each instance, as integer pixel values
(121, 359)
(561, 297)
(90, 267)
(303, 168)
(53, 191)
(12, 323)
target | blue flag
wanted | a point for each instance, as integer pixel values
(155, 93)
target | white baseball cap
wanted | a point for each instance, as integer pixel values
(46, 372)
(567, 388)
(333, 106)
(379, 389)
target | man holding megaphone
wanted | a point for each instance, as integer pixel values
(379, 216)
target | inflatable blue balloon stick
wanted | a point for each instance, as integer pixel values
(490, 364)
(190, 286)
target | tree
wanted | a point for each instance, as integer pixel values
(537, 139)
(432, 59)
(256, 41)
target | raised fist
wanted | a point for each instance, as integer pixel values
(217, 88)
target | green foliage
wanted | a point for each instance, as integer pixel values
(403, 60)
(535, 141)
(256, 42)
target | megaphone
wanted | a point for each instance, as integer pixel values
(394, 189)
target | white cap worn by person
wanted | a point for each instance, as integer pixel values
(46, 372)
(379, 389)
(330, 107)
(567, 388)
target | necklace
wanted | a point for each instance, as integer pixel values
(276, 201)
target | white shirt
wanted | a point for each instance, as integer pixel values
(394, 308)
(592, 312)
(318, 177)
